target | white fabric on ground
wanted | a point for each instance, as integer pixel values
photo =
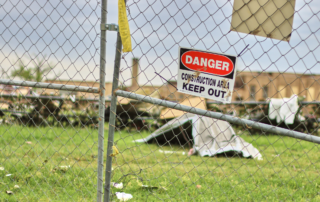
(211, 136)
(123, 196)
(284, 109)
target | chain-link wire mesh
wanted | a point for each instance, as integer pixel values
(256, 153)
(49, 101)
(49, 53)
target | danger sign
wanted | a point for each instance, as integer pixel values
(206, 74)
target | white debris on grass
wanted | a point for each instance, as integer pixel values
(1, 168)
(8, 175)
(117, 185)
(9, 192)
(16, 186)
(172, 152)
(259, 158)
(65, 167)
(123, 196)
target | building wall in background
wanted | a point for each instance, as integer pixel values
(277, 85)
(249, 86)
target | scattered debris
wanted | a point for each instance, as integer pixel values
(8, 175)
(62, 168)
(259, 158)
(229, 143)
(81, 159)
(148, 187)
(73, 98)
(9, 192)
(123, 196)
(28, 142)
(16, 186)
(117, 185)
(198, 186)
(1, 168)
(172, 152)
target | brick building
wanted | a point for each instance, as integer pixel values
(249, 86)
(258, 86)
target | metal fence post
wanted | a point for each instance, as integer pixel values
(112, 120)
(101, 100)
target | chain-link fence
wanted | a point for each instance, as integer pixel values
(165, 142)
(49, 102)
(260, 144)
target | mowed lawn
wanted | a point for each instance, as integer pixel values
(38, 160)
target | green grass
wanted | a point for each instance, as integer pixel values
(289, 170)
(35, 167)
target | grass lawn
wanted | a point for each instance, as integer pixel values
(38, 160)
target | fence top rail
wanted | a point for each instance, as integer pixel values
(42, 97)
(220, 116)
(50, 86)
(258, 103)
(49, 97)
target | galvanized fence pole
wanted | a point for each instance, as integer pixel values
(103, 41)
(112, 120)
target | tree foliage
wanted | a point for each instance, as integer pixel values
(39, 68)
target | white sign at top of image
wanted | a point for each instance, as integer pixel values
(206, 74)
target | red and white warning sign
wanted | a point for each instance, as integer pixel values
(206, 74)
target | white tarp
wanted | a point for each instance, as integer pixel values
(284, 109)
(210, 136)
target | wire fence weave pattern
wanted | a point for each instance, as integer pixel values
(172, 146)
(49, 111)
(62, 87)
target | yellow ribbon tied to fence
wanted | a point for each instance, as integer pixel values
(124, 26)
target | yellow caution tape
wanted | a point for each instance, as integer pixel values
(124, 26)
(115, 151)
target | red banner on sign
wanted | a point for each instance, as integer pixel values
(207, 63)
